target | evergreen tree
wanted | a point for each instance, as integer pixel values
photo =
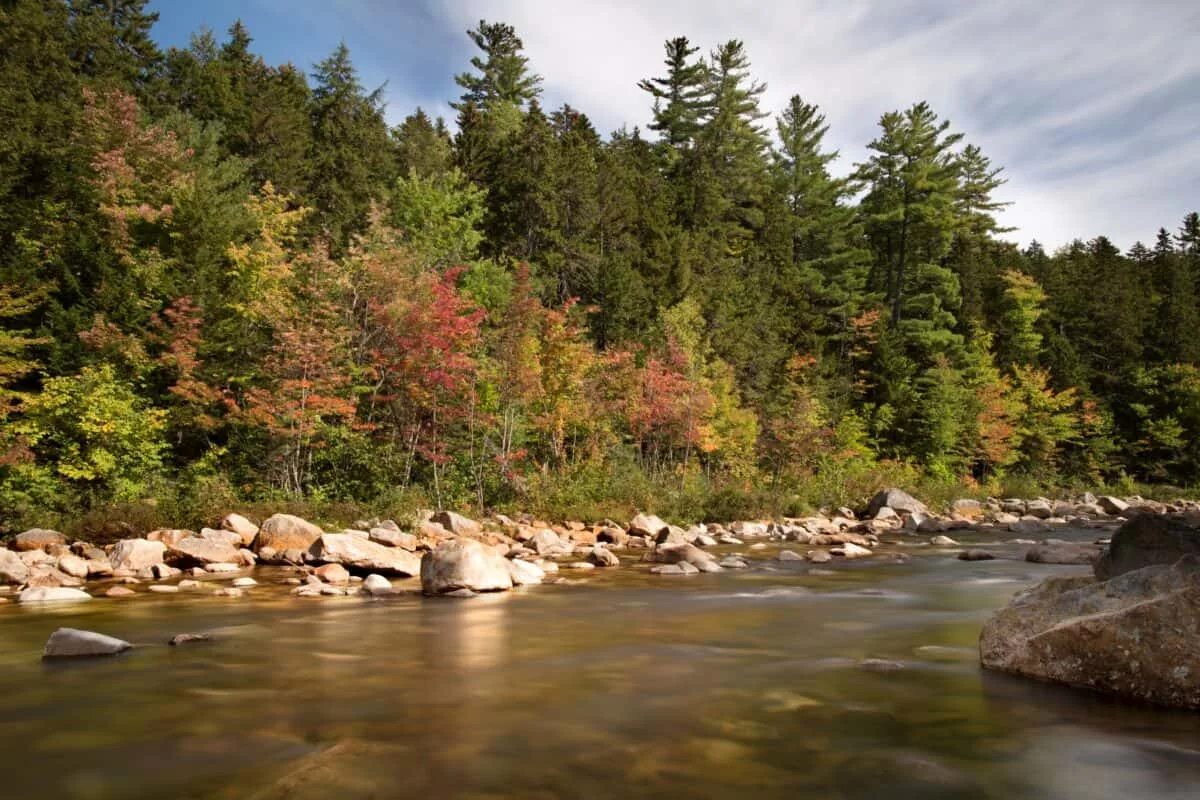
(422, 147)
(502, 72)
(681, 97)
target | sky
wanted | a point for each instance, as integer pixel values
(1091, 106)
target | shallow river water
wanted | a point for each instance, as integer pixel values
(859, 681)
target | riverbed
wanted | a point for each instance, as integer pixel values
(849, 680)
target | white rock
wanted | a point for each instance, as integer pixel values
(70, 642)
(53, 594)
(525, 573)
(377, 586)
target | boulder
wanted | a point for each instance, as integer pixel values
(975, 555)
(1112, 505)
(198, 550)
(682, 568)
(72, 643)
(137, 554)
(603, 557)
(392, 537)
(545, 542)
(38, 539)
(284, 532)
(789, 555)
(819, 556)
(12, 568)
(53, 594)
(850, 550)
(457, 523)
(464, 564)
(1146, 540)
(355, 552)
(332, 573)
(1052, 552)
(1039, 508)
(224, 537)
(897, 500)
(377, 586)
(966, 508)
(647, 525)
(243, 527)
(614, 536)
(1135, 636)
(525, 573)
(73, 565)
(684, 554)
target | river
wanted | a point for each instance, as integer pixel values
(856, 681)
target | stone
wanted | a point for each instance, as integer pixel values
(169, 536)
(354, 552)
(119, 591)
(53, 594)
(164, 588)
(603, 557)
(228, 591)
(734, 562)
(579, 565)
(243, 527)
(457, 523)
(243, 583)
(38, 539)
(1112, 505)
(525, 573)
(789, 555)
(333, 573)
(220, 567)
(686, 554)
(545, 542)
(1051, 552)
(164, 572)
(647, 525)
(747, 529)
(682, 568)
(284, 532)
(885, 513)
(966, 508)
(975, 555)
(188, 584)
(188, 638)
(850, 550)
(74, 643)
(1013, 505)
(464, 564)
(897, 500)
(1134, 636)
(377, 586)
(1146, 540)
(614, 536)
(819, 556)
(73, 565)
(942, 541)
(202, 550)
(12, 568)
(393, 538)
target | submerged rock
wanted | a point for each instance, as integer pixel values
(1051, 552)
(975, 555)
(1135, 636)
(72, 643)
(1146, 540)
(464, 564)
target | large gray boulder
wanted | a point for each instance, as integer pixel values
(1148, 539)
(283, 532)
(12, 568)
(1136, 636)
(464, 564)
(356, 552)
(137, 554)
(73, 643)
(896, 499)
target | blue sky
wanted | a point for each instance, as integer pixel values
(1092, 106)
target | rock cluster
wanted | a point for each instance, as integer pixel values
(1131, 629)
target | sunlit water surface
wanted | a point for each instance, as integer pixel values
(621, 684)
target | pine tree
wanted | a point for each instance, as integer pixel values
(681, 97)
(421, 146)
(503, 76)
(349, 157)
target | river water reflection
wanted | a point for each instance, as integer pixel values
(859, 681)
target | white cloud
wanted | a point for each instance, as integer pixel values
(1091, 105)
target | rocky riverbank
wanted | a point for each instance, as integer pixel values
(452, 554)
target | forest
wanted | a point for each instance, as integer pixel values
(226, 281)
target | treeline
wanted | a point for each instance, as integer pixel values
(221, 278)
